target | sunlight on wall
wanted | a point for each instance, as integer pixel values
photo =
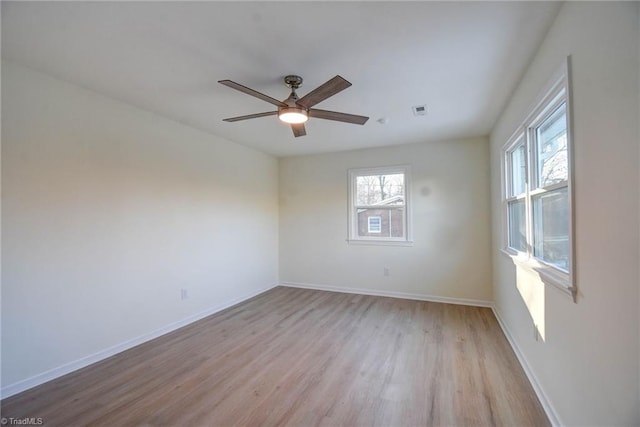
(532, 292)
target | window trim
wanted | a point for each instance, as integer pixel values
(352, 229)
(558, 91)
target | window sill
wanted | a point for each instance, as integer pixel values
(549, 275)
(380, 242)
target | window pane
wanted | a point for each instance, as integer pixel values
(517, 225)
(380, 189)
(551, 136)
(518, 171)
(551, 228)
(391, 222)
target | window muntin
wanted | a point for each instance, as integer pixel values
(378, 205)
(537, 190)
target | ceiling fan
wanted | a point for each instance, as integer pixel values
(296, 111)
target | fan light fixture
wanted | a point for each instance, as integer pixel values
(293, 115)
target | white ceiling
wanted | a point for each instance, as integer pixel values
(461, 59)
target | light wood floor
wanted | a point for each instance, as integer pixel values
(303, 357)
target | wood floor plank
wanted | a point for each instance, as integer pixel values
(303, 358)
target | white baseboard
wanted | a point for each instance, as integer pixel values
(391, 294)
(67, 368)
(554, 419)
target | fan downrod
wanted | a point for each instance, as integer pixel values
(293, 81)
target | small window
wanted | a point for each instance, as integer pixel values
(537, 189)
(378, 205)
(374, 224)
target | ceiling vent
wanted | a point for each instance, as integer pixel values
(419, 110)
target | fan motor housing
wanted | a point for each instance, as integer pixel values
(293, 81)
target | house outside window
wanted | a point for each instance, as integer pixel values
(537, 195)
(379, 206)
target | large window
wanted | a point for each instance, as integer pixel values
(379, 205)
(537, 190)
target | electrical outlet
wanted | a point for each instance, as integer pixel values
(184, 294)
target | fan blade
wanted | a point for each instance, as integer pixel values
(298, 130)
(339, 117)
(250, 116)
(248, 91)
(323, 92)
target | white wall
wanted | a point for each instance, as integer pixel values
(587, 363)
(108, 211)
(451, 222)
